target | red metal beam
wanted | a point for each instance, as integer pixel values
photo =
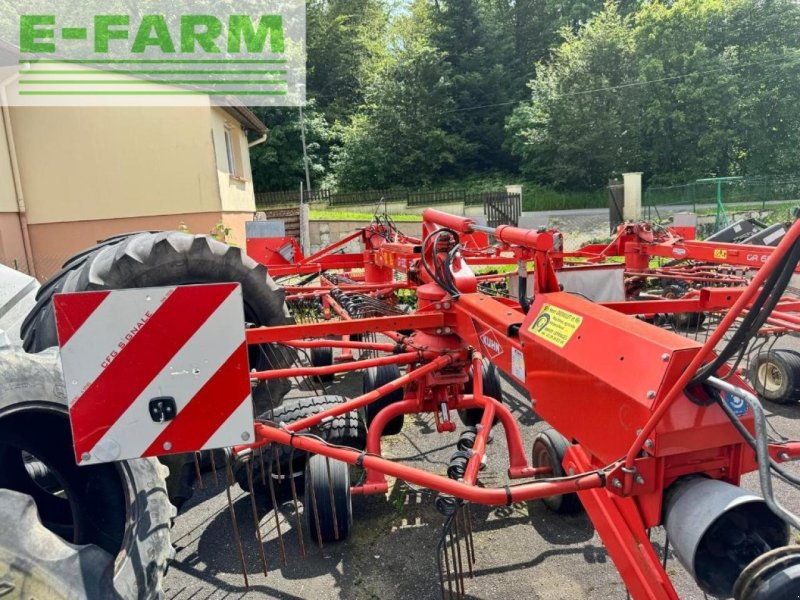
(283, 333)
(479, 495)
(397, 359)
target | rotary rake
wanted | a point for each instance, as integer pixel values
(666, 447)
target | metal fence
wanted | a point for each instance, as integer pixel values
(703, 193)
(416, 198)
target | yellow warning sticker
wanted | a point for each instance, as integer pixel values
(720, 253)
(555, 325)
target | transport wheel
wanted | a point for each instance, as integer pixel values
(163, 259)
(775, 375)
(99, 531)
(322, 357)
(345, 430)
(775, 575)
(549, 449)
(491, 387)
(372, 379)
(327, 503)
(682, 321)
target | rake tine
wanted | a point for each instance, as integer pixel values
(197, 472)
(333, 502)
(468, 518)
(277, 513)
(214, 468)
(463, 512)
(459, 566)
(442, 551)
(234, 523)
(296, 507)
(256, 520)
(277, 462)
(263, 470)
(316, 513)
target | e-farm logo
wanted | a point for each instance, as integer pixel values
(160, 52)
(196, 32)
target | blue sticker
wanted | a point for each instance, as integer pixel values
(738, 405)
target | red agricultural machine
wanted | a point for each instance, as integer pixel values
(667, 446)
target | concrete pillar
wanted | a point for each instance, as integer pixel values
(632, 210)
(305, 233)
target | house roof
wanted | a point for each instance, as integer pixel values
(234, 107)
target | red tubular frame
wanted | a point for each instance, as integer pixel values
(325, 343)
(623, 498)
(493, 496)
(479, 446)
(398, 359)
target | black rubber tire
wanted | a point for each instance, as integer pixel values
(118, 514)
(685, 321)
(345, 430)
(53, 285)
(173, 258)
(549, 448)
(491, 387)
(335, 518)
(783, 368)
(322, 357)
(373, 378)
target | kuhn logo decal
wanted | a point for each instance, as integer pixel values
(490, 345)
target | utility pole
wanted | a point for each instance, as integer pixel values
(305, 149)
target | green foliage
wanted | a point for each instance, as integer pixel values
(570, 134)
(685, 89)
(563, 94)
(399, 135)
(277, 164)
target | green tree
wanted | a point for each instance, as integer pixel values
(680, 90)
(574, 133)
(277, 164)
(399, 136)
(345, 40)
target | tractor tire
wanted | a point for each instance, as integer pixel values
(345, 430)
(100, 531)
(327, 502)
(775, 376)
(549, 449)
(322, 357)
(372, 379)
(163, 259)
(491, 387)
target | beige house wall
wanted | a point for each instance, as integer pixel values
(80, 164)
(236, 193)
(89, 173)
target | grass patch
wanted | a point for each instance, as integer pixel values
(344, 215)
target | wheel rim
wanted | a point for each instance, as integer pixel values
(770, 377)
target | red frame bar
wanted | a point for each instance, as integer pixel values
(397, 359)
(283, 333)
(492, 496)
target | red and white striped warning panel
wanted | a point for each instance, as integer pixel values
(155, 371)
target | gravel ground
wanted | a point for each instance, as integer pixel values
(522, 551)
